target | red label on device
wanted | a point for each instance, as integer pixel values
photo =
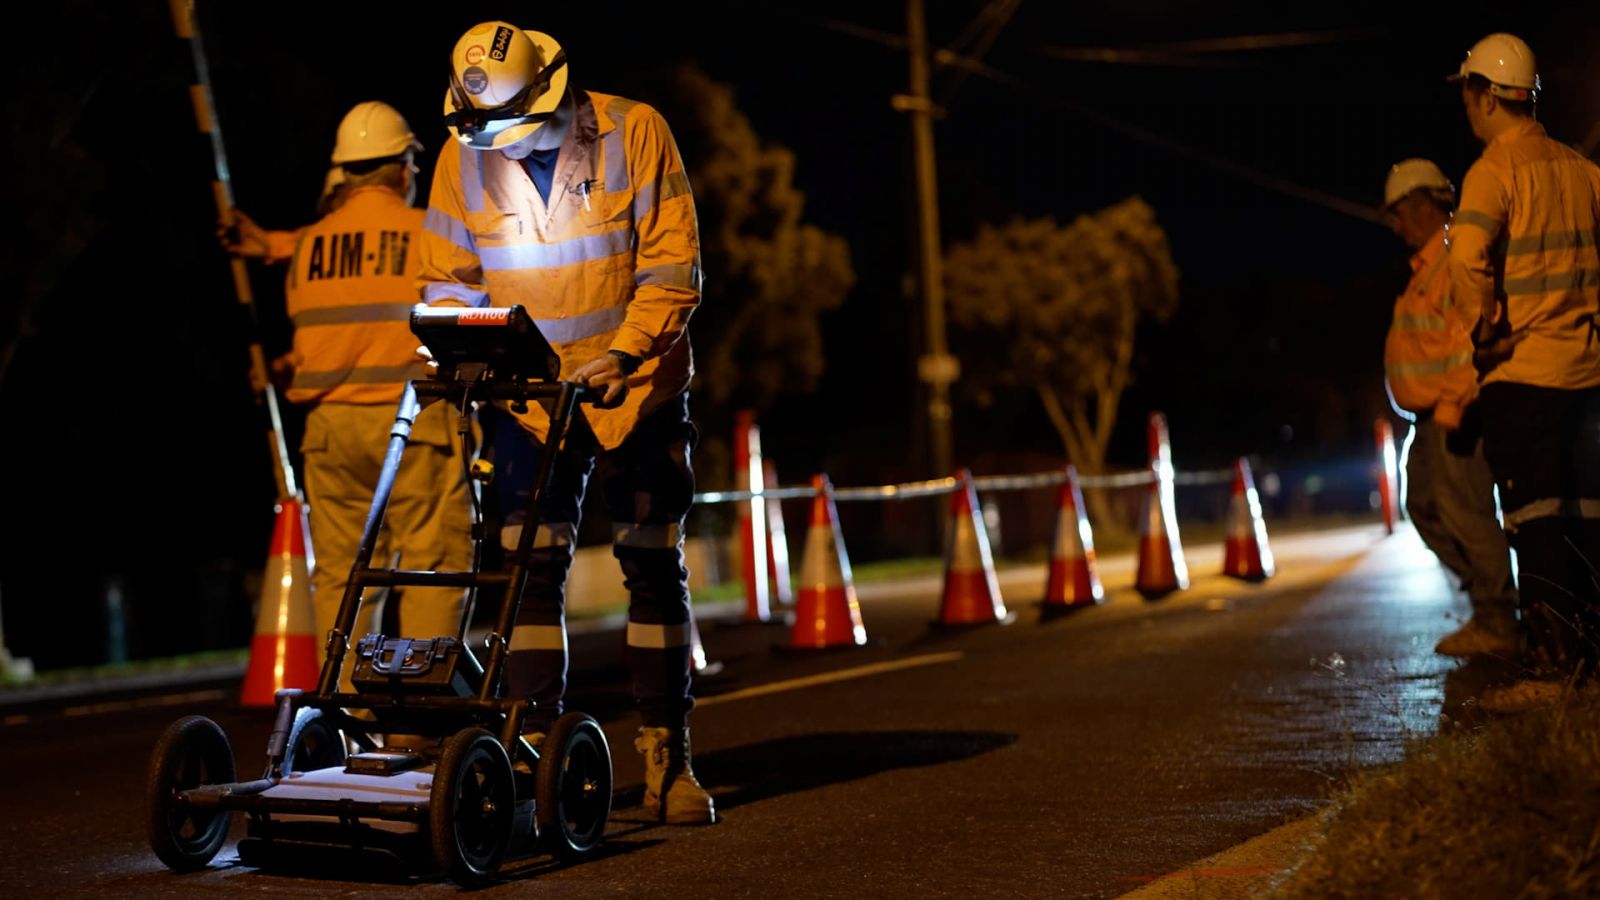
(484, 317)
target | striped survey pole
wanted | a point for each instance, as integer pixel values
(205, 116)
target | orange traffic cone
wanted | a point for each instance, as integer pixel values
(971, 591)
(1073, 578)
(781, 593)
(748, 474)
(284, 652)
(826, 613)
(1388, 475)
(1248, 555)
(1161, 566)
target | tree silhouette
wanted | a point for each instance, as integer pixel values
(769, 276)
(1060, 307)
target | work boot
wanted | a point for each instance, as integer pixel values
(670, 788)
(1523, 696)
(1472, 639)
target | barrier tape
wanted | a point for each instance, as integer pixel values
(938, 486)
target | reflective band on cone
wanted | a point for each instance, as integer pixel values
(1162, 569)
(284, 651)
(748, 474)
(1248, 555)
(971, 591)
(1074, 581)
(777, 541)
(826, 612)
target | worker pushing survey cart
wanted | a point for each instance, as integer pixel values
(441, 768)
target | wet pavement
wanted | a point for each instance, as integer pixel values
(1078, 757)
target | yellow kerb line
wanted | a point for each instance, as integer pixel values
(795, 684)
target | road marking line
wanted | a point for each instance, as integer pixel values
(795, 684)
(142, 702)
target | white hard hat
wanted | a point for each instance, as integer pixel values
(1507, 62)
(373, 130)
(1413, 175)
(504, 84)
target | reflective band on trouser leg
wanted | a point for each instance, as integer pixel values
(1553, 508)
(658, 633)
(537, 664)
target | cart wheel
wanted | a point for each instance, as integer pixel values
(313, 743)
(572, 792)
(471, 808)
(193, 751)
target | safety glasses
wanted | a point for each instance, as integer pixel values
(470, 120)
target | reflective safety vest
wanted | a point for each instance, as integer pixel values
(351, 287)
(1523, 247)
(1427, 356)
(610, 262)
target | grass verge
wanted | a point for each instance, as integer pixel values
(1510, 810)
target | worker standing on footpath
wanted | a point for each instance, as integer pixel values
(1523, 255)
(575, 205)
(349, 293)
(1428, 368)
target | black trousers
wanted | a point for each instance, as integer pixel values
(1543, 445)
(648, 484)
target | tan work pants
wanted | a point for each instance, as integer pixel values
(428, 525)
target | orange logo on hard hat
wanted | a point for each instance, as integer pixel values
(475, 55)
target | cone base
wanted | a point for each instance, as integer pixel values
(1073, 583)
(1007, 619)
(827, 617)
(298, 662)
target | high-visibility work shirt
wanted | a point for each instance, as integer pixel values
(351, 287)
(611, 262)
(1523, 247)
(1427, 356)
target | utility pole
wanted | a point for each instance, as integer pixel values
(937, 368)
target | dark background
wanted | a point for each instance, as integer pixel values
(135, 462)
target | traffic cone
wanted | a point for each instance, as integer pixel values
(1388, 475)
(284, 652)
(782, 592)
(1161, 566)
(748, 473)
(971, 591)
(826, 613)
(1074, 580)
(1248, 555)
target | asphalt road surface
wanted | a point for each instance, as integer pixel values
(1076, 757)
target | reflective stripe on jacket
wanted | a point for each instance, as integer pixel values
(351, 287)
(1427, 356)
(611, 262)
(1523, 247)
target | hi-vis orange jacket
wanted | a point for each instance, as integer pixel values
(612, 262)
(1523, 247)
(1428, 354)
(351, 286)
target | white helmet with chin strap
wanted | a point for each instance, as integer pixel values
(505, 83)
(1506, 61)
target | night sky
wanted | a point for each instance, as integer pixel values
(133, 451)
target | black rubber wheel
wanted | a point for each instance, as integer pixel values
(572, 790)
(313, 744)
(471, 807)
(193, 751)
